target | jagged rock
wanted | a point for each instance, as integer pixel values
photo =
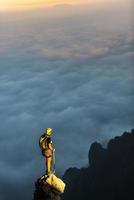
(96, 153)
(110, 175)
(45, 192)
(55, 182)
(49, 188)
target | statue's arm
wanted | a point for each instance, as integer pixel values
(50, 146)
(41, 141)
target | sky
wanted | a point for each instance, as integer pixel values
(69, 67)
(30, 4)
(17, 5)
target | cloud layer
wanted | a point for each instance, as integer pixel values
(73, 73)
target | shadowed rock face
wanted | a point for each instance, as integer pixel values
(45, 192)
(96, 153)
(110, 175)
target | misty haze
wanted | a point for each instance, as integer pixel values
(69, 68)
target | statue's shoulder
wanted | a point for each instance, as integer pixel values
(42, 136)
(41, 139)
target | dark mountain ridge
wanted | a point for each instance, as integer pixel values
(110, 174)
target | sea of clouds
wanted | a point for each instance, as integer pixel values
(68, 68)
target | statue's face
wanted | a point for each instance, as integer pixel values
(49, 131)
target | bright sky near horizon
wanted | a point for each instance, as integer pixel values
(7, 5)
(32, 2)
(21, 4)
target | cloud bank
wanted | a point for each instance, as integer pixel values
(73, 73)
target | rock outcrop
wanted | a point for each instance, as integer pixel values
(45, 192)
(49, 188)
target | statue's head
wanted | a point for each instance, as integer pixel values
(48, 131)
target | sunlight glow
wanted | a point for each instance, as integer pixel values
(10, 5)
(20, 4)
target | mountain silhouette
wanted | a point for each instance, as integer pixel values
(110, 174)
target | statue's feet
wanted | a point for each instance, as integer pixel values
(48, 173)
(46, 176)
